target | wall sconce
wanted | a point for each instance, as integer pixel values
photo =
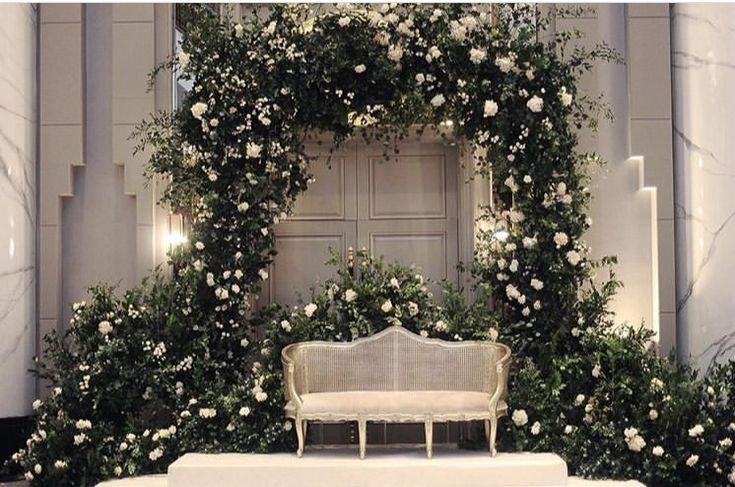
(176, 236)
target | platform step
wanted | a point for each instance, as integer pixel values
(381, 468)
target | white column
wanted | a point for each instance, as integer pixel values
(18, 119)
(703, 62)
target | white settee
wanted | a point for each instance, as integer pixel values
(396, 376)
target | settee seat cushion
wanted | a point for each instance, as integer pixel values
(398, 403)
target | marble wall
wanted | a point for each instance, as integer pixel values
(703, 66)
(18, 120)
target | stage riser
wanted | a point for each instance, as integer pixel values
(381, 468)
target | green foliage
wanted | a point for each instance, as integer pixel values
(182, 364)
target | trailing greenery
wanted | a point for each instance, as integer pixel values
(182, 364)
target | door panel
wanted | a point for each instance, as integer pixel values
(303, 250)
(408, 208)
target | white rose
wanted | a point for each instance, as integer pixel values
(286, 326)
(244, 411)
(38, 469)
(537, 284)
(394, 282)
(243, 207)
(37, 404)
(360, 68)
(104, 327)
(696, 431)
(504, 63)
(568, 429)
(239, 30)
(573, 257)
(596, 371)
(199, 246)
(261, 396)
(344, 21)
(263, 274)
(413, 308)
(536, 428)
(657, 451)
(155, 454)
(579, 399)
(184, 59)
(438, 100)
(350, 295)
(535, 104)
(561, 239)
(653, 415)
(395, 53)
(726, 443)
(309, 309)
(490, 108)
(440, 326)
(520, 417)
(386, 306)
(252, 150)
(420, 78)
(692, 460)
(477, 55)
(493, 334)
(636, 443)
(198, 109)
(566, 98)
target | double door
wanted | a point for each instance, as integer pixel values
(404, 208)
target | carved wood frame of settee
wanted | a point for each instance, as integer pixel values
(401, 364)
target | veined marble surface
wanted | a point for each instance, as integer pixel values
(17, 206)
(703, 68)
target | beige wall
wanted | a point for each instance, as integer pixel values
(97, 213)
(98, 218)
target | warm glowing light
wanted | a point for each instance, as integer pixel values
(175, 239)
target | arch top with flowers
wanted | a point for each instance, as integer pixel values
(198, 377)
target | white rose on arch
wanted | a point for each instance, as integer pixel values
(477, 55)
(438, 101)
(386, 306)
(309, 309)
(490, 109)
(566, 98)
(198, 109)
(535, 104)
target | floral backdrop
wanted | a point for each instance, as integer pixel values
(189, 363)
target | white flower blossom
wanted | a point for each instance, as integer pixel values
(350, 295)
(535, 104)
(309, 309)
(537, 284)
(360, 68)
(386, 306)
(184, 59)
(477, 55)
(105, 327)
(653, 414)
(438, 100)
(536, 428)
(395, 53)
(561, 239)
(155, 454)
(657, 451)
(490, 108)
(344, 21)
(696, 431)
(519, 417)
(244, 411)
(239, 30)
(635, 441)
(565, 97)
(692, 460)
(573, 257)
(199, 109)
(253, 150)
(413, 308)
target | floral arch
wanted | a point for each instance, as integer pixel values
(200, 375)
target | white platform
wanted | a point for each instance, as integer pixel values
(381, 468)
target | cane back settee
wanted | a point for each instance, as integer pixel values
(396, 376)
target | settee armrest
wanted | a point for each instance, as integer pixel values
(502, 367)
(289, 380)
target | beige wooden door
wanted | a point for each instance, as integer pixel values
(404, 208)
(407, 207)
(324, 218)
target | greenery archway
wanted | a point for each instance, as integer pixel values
(197, 376)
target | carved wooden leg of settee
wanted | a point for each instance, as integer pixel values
(429, 429)
(362, 435)
(299, 435)
(493, 433)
